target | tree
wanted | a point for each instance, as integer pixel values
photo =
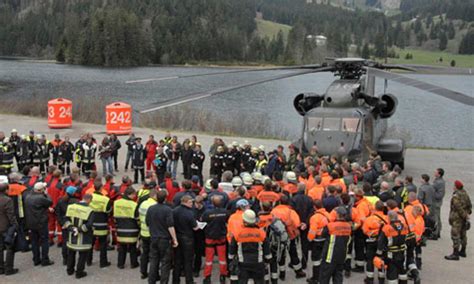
(365, 51)
(467, 43)
(443, 41)
(379, 45)
(453, 63)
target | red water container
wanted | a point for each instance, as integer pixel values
(118, 118)
(59, 113)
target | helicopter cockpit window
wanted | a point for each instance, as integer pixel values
(350, 125)
(315, 123)
(331, 123)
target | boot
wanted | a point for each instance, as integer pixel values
(312, 281)
(207, 280)
(80, 275)
(369, 280)
(300, 274)
(462, 252)
(418, 263)
(453, 256)
(282, 275)
(381, 280)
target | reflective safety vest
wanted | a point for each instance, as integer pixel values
(6, 156)
(127, 225)
(144, 230)
(15, 191)
(99, 205)
(79, 216)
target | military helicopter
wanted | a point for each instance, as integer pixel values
(348, 119)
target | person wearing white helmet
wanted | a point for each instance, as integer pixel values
(236, 182)
(226, 183)
(253, 249)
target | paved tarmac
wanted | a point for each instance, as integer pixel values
(457, 164)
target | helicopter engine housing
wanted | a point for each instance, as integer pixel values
(307, 101)
(387, 105)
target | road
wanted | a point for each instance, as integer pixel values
(457, 165)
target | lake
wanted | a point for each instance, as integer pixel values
(427, 119)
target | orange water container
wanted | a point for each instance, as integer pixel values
(118, 118)
(59, 113)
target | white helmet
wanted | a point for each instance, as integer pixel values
(236, 181)
(291, 176)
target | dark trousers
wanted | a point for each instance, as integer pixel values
(331, 270)
(123, 248)
(199, 250)
(102, 248)
(410, 254)
(186, 170)
(359, 247)
(128, 158)
(347, 263)
(160, 252)
(396, 269)
(142, 174)
(294, 260)
(304, 247)
(255, 271)
(145, 256)
(316, 251)
(114, 157)
(40, 245)
(183, 259)
(64, 249)
(370, 250)
(87, 169)
(6, 263)
(71, 261)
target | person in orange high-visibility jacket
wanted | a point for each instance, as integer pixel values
(55, 190)
(268, 195)
(364, 209)
(391, 247)
(291, 187)
(337, 181)
(292, 223)
(354, 219)
(317, 191)
(234, 224)
(337, 235)
(265, 217)
(417, 213)
(371, 228)
(251, 248)
(412, 202)
(307, 179)
(317, 223)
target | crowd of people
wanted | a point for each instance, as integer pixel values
(325, 216)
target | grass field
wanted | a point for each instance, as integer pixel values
(270, 29)
(432, 58)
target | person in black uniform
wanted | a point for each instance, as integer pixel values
(197, 163)
(185, 225)
(138, 159)
(159, 219)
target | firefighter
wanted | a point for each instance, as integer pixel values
(56, 144)
(55, 191)
(217, 163)
(215, 241)
(197, 162)
(138, 159)
(79, 151)
(79, 219)
(7, 154)
(252, 249)
(145, 233)
(230, 160)
(17, 192)
(391, 248)
(23, 153)
(65, 155)
(371, 228)
(89, 149)
(336, 235)
(290, 187)
(292, 223)
(61, 210)
(102, 206)
(364, 209)
(160, 162)
(261, 162)
(126, 219)
(317, 223)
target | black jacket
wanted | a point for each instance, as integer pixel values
(61, 208)
(7, 213)
(36, 210)
(303, 205)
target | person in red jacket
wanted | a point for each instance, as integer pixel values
(55, 191)
(150, 148)
(171, 186)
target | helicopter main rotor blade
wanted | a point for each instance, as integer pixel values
(449, 94)
(313, 66)
(427, 69)
(198, 96)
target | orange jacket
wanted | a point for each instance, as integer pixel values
(339, 182)
(309, 182)
(316, 192)
(355, 217)
(325, 179)
(364, 208)
(15, 189)
(264, 219)
(258, 187)
(424, 209)
(290, 188)
(317, 222)
(234, 224)
(419, 228)
(374, 223)
(268, 196)
(289, 217)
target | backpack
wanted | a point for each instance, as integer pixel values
(278, 237)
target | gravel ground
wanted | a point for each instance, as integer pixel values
(457, 164)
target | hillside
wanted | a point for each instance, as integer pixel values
(269, 29)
